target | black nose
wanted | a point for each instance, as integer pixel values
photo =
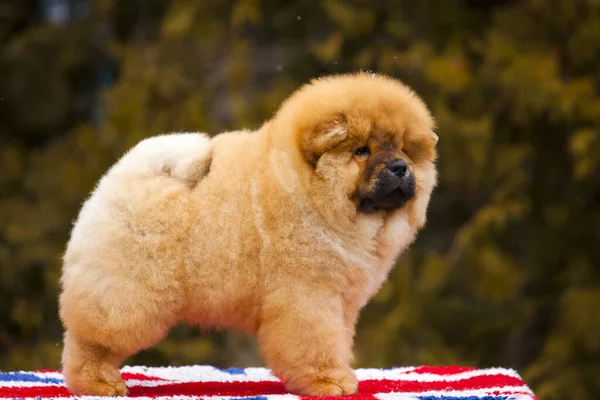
(398, 168)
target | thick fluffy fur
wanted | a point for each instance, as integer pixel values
(259, 231)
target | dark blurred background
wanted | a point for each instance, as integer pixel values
(507, 271)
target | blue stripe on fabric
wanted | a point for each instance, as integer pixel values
(26, 377)
(465, 398)
(252, 398)
(235, 371)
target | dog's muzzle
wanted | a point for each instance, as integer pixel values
(395, 185)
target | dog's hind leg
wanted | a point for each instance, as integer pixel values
(108, 322)
(92, 369)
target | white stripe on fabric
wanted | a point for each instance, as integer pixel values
(210, 374)
(200, 373)
(207, 373)
(406, 374)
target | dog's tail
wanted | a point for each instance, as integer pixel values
(182, 156)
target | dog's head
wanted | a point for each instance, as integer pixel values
(368, 136)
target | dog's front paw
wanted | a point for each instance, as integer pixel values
(99, 387)
(330, 382)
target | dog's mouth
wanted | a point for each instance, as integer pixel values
(388, 196)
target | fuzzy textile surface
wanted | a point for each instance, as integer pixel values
(205, 382)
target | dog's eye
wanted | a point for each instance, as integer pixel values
(362, 152)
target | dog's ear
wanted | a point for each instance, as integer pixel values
(436, 138)
(421, 145)
(324, 136)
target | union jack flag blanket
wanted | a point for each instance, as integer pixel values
(206, 382)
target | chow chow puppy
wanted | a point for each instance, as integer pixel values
(283, 233)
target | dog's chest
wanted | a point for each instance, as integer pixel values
(389, 237)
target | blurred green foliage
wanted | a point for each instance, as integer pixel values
(507, 271)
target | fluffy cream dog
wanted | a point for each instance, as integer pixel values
(285, 233)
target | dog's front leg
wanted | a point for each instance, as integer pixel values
(305, 340)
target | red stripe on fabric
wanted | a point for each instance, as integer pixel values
(34, 391)
(140, 377)
(124, 375)
(237, 389)
(475, 382)
(450, 370)
(240, 389)
(513, 392)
